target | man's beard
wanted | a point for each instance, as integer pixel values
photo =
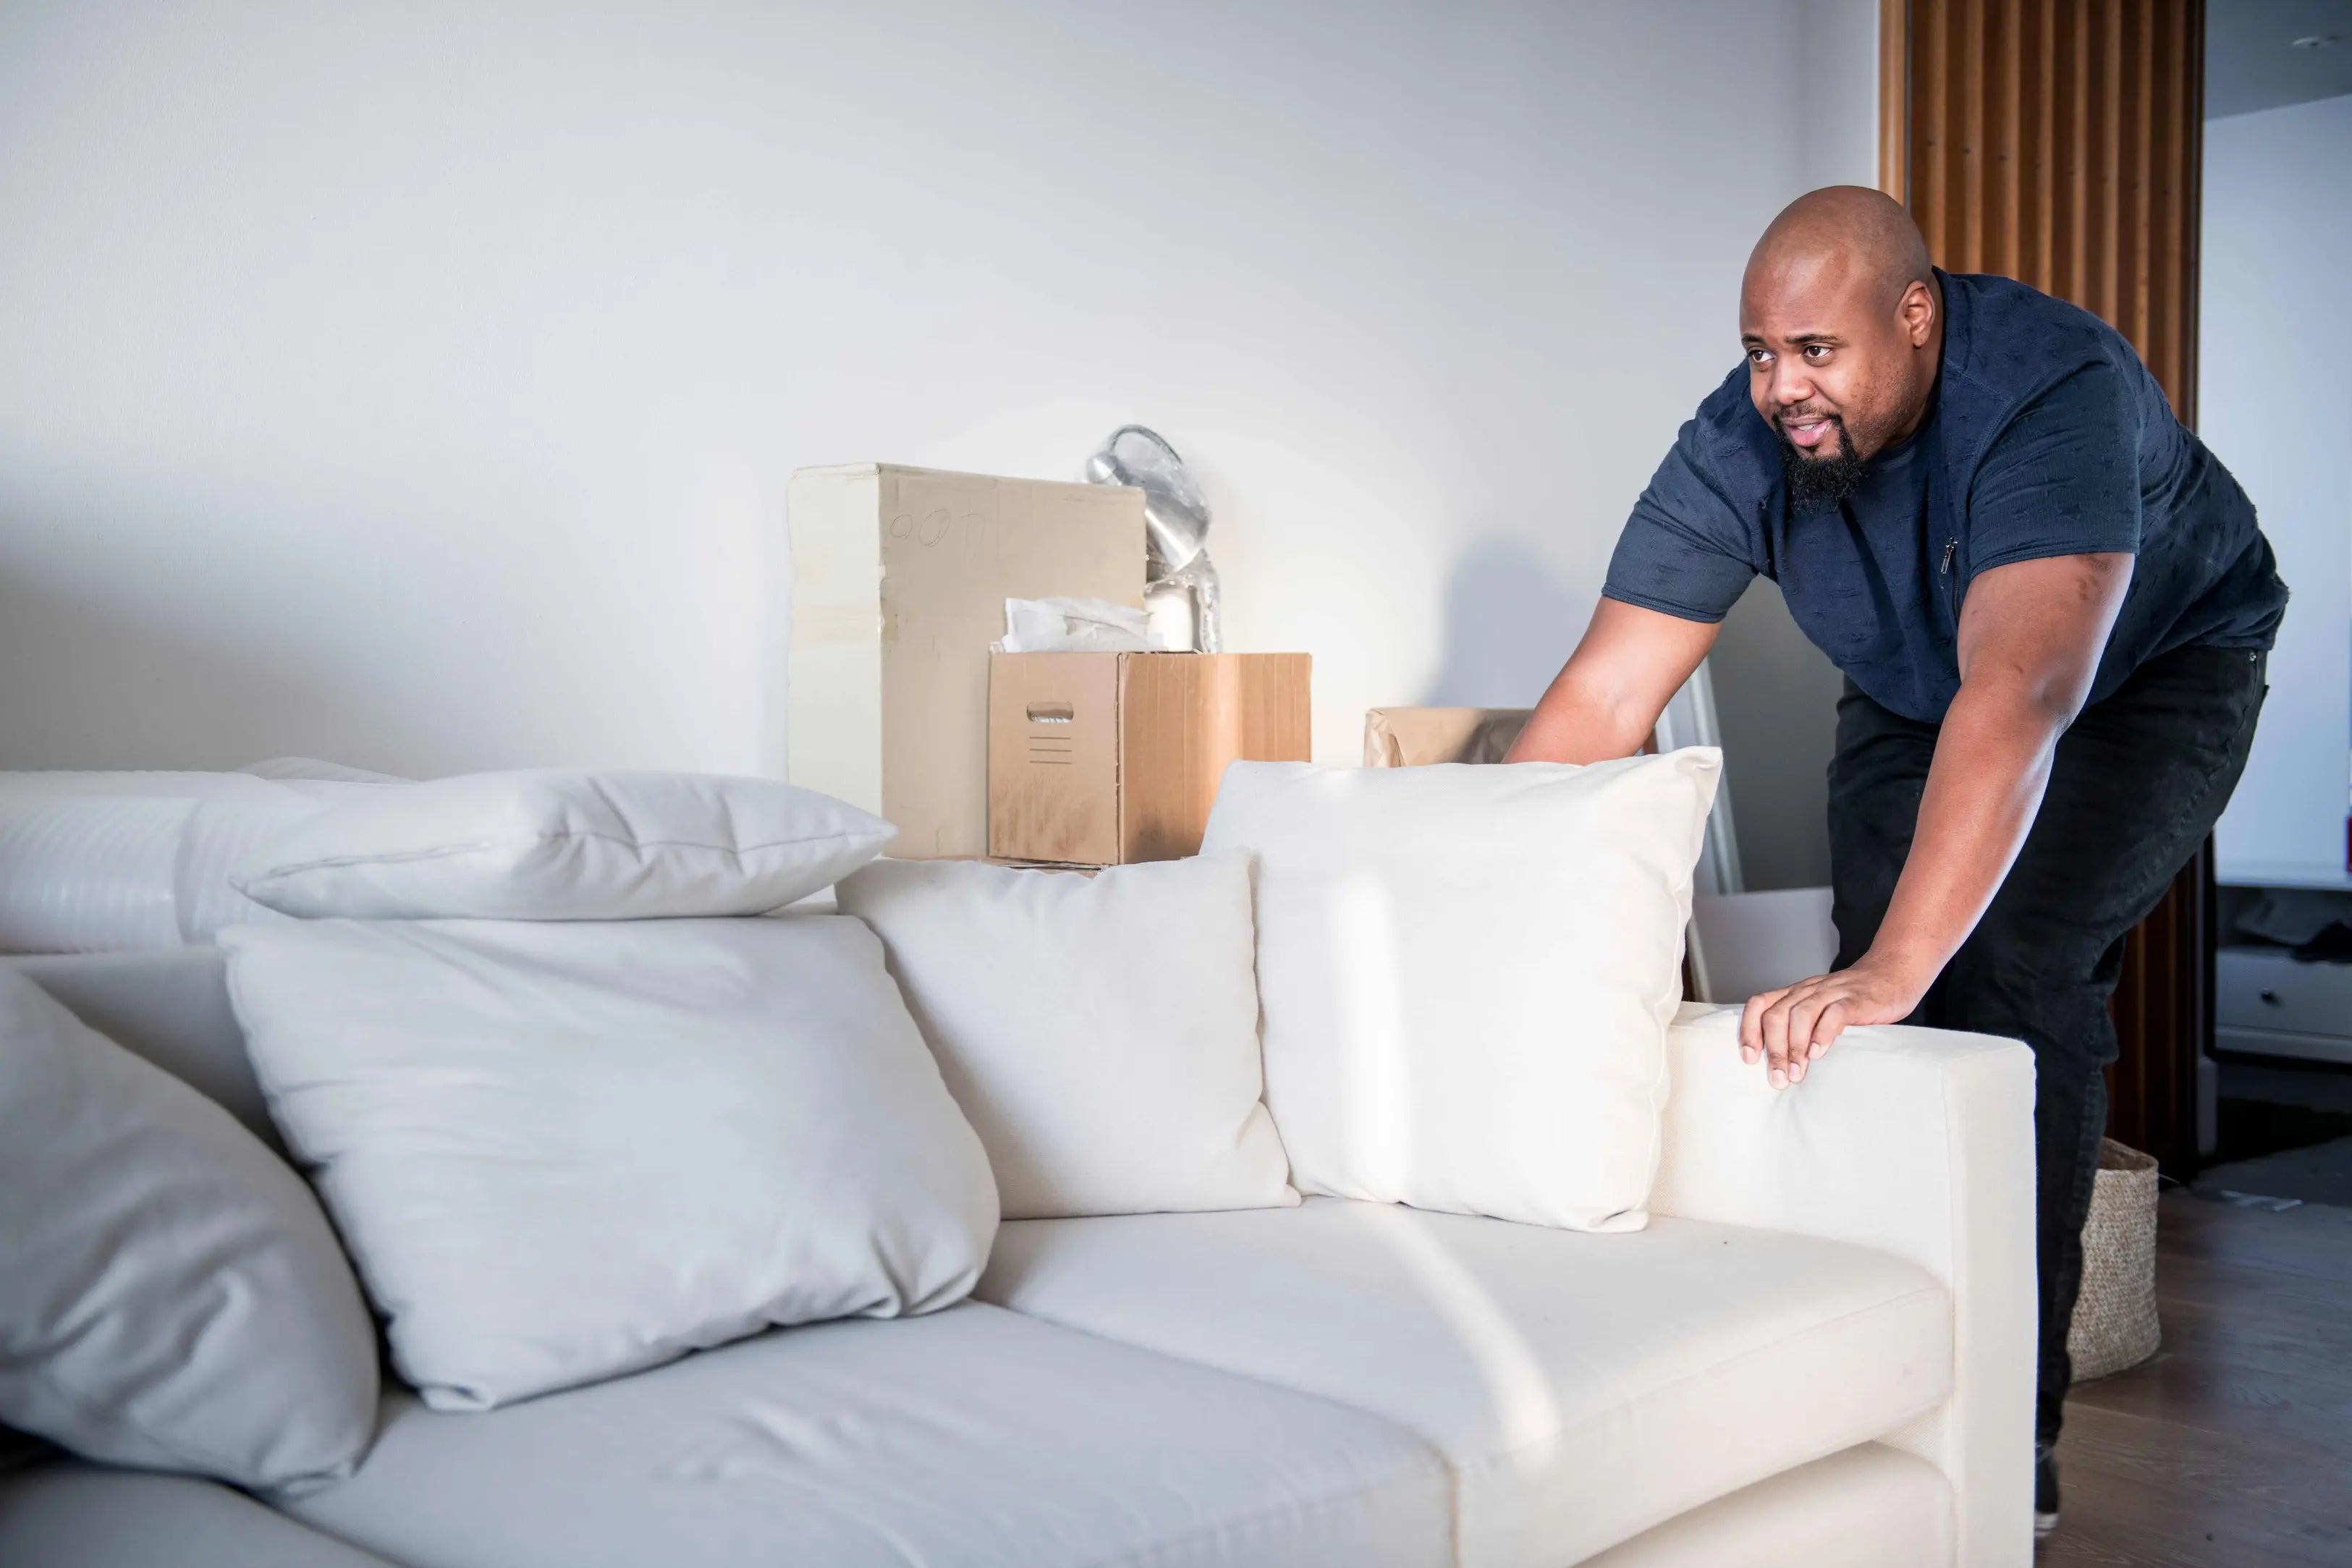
(1815, 482)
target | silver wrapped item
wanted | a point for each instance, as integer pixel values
(1181, 594)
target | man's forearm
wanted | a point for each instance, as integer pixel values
(2030, 638)
(1606, 699)
(1991, 764)
(1575, 723)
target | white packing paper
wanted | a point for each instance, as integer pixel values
(1073, 626)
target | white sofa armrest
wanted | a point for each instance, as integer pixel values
(1919, 1143)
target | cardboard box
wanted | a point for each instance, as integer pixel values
(1108, 758)
(899, 579)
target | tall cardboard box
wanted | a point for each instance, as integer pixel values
(899, 579)
(1108, 758)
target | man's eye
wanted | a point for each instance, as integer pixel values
(1760, 356)
(1817, 352)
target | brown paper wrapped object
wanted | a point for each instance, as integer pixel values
(1409, 737)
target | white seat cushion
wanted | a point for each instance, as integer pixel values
(1584, 1388)
(1869, 1507)
(974, 1437)
(67, 1514)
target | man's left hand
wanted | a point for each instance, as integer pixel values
(1793, 1026)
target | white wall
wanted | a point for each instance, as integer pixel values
(415, 384)
(1776, 692)
(2274, 401)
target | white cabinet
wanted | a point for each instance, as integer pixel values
(2265, 1002)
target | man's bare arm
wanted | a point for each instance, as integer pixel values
(1606, 699)
(2031, 634)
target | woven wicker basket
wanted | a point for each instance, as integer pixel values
(2114, 1321)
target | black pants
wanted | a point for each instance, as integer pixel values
(2139, 781)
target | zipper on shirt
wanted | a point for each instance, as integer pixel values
(1951, 601)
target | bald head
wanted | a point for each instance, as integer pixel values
(1843, 321)
(1865, 237)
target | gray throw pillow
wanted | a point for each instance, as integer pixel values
(172, 1296)
(566, 1150)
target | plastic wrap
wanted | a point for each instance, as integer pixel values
(1182, 591)
(61, 785)
(95, 862)
(91, 874)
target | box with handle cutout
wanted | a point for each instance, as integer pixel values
(1109, 758)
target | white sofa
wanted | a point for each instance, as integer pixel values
(1819, 1351)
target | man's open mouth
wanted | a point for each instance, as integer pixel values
(1808, 433)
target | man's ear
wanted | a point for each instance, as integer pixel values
(1917, 311)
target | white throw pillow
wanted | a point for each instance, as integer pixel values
(1468, 973)
(170, 1297)
(556, 844)
(1100, 1031)
(225, 833)
(561, 1152)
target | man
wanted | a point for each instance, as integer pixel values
(2051, 606)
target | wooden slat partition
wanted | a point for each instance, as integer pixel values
(2059, 142)
(2164, 1014)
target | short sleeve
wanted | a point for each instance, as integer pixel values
(1686, 549)
(2062, 477)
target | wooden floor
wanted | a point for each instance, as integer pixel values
(2233, 1447)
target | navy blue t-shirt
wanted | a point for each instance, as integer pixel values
(2046, 436)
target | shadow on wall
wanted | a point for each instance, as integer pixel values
(142, 695)
(1510, 622)
(1775, 706)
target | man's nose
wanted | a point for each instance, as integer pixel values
(1790, 385)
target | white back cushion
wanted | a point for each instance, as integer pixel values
(1100, 1031)
(1467, 974)
(559, 844)
(561, 1152)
